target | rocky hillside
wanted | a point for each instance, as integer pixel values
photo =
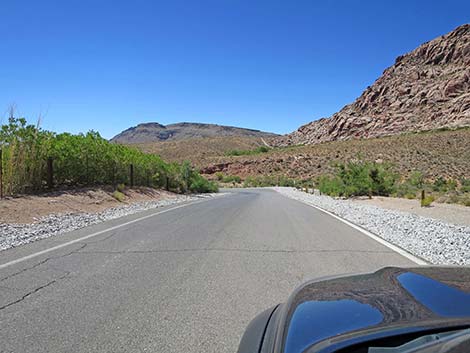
(434, 153)
(426, 89)
(154, 132)
(197, 150)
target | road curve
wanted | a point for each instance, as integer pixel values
(187, 280)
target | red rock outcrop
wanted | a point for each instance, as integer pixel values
(426, 89)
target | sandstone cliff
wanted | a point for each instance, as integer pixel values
(428, 88)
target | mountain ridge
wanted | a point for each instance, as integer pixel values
(156, 132)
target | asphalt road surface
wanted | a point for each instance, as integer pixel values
(186, 280)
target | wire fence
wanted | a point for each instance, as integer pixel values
(65, 173)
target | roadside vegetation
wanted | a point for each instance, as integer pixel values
(258, 150)
(363, 178)
(359, 178)
(228, 179)
(258, 181)
(34, 160)
(269, 180)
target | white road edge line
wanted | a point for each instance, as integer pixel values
(382, 241)
(42, 252)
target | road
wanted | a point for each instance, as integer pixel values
(186, 280)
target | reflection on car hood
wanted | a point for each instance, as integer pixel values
(391, 297)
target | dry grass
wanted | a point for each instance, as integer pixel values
(200, 150)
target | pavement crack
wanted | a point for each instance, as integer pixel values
(43, 262)
(35, 290)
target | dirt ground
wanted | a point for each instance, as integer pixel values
(449, 213)
(28, 208)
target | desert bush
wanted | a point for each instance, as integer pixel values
(118, 196)
(439, 184)
(358, 178)
(465, 185)
(416, 179)
(258, 150)
(232, 179)
(406, 189)
(24, 151)
(79, 160)
(121, 187)
(200, 184)
(427, 201)
(443, 185)
(332, 186)
(451, 197)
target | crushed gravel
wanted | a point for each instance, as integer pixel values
(13, 235)
(432, 240)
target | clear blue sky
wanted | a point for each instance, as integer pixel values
(270, 65)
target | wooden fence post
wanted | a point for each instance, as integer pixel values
(167, 186)
(113, 168)
(131, 176)
(50, 173)
(87, 179)
(1, 174)
(422, 194)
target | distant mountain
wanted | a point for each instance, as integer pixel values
(428, 88)
(155, 132)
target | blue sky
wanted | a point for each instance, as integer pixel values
(269, 65)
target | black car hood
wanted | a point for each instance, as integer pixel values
(342, 308)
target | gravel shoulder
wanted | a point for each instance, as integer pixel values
(434, 240)
(27, 219)
(449, 213)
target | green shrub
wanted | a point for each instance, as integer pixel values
(465, 185)
(406, 189)
(232, 179)
(219, 176)
(80, 160)
(248, 182)
(410, 196)
(359, 178)
(416, 179)
(258, 150)
(262, 149)
(451, 197)
(200, 184)
(121, 187)
(119, 196)
(451, 185)
(427, 201)
(443, 185)
(439, 184)
(332, 186)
